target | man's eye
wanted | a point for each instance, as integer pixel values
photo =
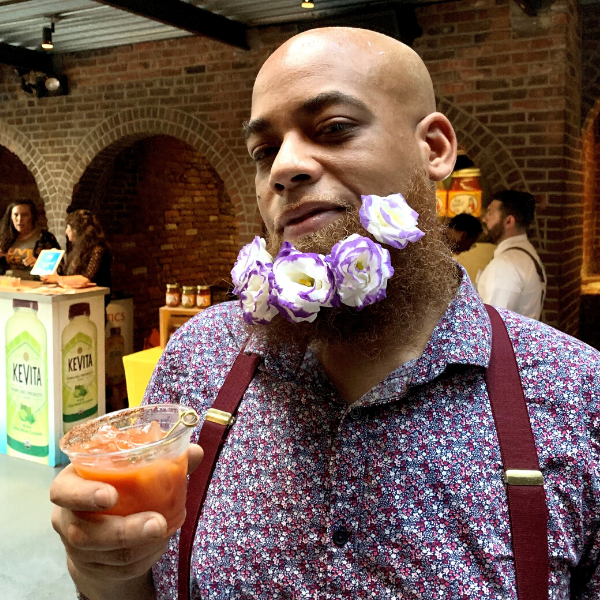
(263, 153)
(339, 127)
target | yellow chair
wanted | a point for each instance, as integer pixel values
(139, 367)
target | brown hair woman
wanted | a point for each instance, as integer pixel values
(21, 239)
(89, 259)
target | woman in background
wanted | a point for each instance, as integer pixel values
(89, 259)
(21, 240)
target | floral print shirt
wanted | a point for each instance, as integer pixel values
(398, 496)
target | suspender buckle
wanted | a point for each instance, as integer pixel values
(522, 477)
(220, 417)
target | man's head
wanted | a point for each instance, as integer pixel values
(510, 213)
(336, 113)
(463, 231)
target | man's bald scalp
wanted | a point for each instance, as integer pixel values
(392, 65)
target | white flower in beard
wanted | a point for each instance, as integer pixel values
(251, 255)
(302, 283)
(390, 220)
(361, 269)
(255, 296)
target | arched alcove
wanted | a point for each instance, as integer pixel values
(16, 182)
(167, 217)
(591, 195)
(236, 173)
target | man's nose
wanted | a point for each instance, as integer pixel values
(294, 164)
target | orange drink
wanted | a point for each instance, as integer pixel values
(130, 450)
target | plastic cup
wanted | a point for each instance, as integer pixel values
(150, 477)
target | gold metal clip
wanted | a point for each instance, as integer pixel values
(522, 477)
(219, 416)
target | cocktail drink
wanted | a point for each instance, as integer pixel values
(142, 453)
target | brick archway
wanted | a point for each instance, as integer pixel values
(15, 141)
(126, 127)
(484, 148)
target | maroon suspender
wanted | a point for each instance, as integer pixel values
(524, 489)
(212, 437)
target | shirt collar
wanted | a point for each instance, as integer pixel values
(514, 240)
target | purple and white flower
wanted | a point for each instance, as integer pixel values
(390, 220)
(361, 269)
(255, 296)
(250, 256)
(301, 283)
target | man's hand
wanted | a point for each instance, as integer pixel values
(107, 554)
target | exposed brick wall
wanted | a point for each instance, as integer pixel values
(167, 218)
(508, 81)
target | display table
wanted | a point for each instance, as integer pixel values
(51, 368)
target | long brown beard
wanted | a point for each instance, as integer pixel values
(425, 279)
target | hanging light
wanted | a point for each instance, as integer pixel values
(308, 5)
(47, 37)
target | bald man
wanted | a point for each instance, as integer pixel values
(364, 461)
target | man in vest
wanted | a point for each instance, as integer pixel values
(515, 277)
(364, 460)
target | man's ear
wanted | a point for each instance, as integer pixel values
(437, 141)
(509, 222)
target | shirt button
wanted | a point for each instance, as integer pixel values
(356, 413)
(341, 536)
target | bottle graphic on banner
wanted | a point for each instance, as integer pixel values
(79, 367)
(27, 433)
(115, 349)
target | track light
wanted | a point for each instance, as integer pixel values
(47, 37)
(308, 5)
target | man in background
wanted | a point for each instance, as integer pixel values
(515, 278)
(462, 234)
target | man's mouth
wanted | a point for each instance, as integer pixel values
(308, 218)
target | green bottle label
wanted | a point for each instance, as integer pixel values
(27, 402)
(80, 382)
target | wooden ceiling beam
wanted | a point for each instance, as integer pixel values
(187, 17)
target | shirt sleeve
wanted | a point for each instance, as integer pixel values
(500, 285)
(93, 265)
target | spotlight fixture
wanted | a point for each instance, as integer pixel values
(47, 37)
(308, 5)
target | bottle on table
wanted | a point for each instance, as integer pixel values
(27, 425)
(79, 367)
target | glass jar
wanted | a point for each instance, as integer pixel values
(203, 298)
(464, 195)
(188, 296)
(173, 295)
(441, 198)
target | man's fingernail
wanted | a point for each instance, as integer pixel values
(102, 498)
(152, 528)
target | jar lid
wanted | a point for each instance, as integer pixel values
(171, 286)
(471, 172)
(204, 287)
(188, 289)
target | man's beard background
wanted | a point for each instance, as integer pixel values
(425, 279)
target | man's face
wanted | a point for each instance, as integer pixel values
(321, 135)
(21, 218)
(493, 221)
